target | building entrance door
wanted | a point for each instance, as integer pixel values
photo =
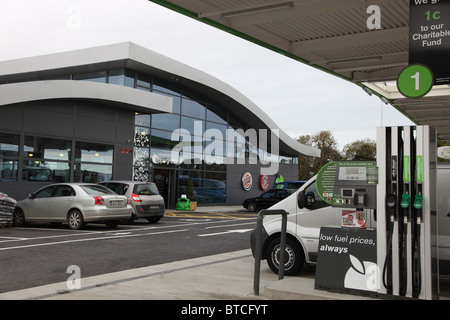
(166, 183)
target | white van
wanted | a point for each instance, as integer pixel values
(307, 212)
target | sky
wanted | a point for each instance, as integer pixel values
(301, 100)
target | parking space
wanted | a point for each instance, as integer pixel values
(39, 254)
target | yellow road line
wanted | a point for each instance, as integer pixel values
(215, 215)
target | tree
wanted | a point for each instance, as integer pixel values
(360, 150)
(323, 140)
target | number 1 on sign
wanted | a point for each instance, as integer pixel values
(416, 77)
(422, 84)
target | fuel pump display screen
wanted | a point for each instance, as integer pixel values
(348, 184)
(352, 173)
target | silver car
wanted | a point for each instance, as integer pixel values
(75, 203)
(145, 198)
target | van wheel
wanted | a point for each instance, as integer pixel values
(294, 260)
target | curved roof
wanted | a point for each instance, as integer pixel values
(129, 55)
(137, 100)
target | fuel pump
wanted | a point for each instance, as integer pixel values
(406, 207)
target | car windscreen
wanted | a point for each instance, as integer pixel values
(96, 190)
(147, 189)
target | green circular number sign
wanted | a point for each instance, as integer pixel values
(415, 81)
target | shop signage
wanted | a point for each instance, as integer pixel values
(247, 181)
(264, 182)
(429, 39)
(347, 260)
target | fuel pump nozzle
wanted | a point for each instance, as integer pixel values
(418, 204)
(404, 203)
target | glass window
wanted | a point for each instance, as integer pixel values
(45, 192)
(189, 160)
(9, 145)
(94, 173)
(164, 157)
(46, 148)
(45, 171)
(214, 187)
(193, 109)
(141, 157)
(167, 87)
(194, 126)
(162, 139)
(216, 114)
(176, 101)
(215, 179)
(117, 77)
(313, 198)
(96, 190)
(8, 170)
(269, 194)
(141, 137)
(216, 131)
(119, 188)
(143, 81)
(129, 78)
(215, 163)
(91, 76)
(142, 120)
(166, 121)
(93, 152)
(65, 191)
(147, 189)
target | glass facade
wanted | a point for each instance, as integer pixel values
(194, 142)
(9, 157)
(52, 160)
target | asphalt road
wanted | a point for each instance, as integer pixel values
(40, 254)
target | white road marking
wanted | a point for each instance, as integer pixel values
(225, 232)
(90, 239)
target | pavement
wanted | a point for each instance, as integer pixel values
(226, 276)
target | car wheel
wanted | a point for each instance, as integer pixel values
(251, 207)
(18, 218)
(294, 259)
(75, 219)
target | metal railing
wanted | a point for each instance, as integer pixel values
(258, 249)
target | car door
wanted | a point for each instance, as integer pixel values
(60, 203)
(36, 207)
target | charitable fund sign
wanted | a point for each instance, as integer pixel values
(429, 40)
